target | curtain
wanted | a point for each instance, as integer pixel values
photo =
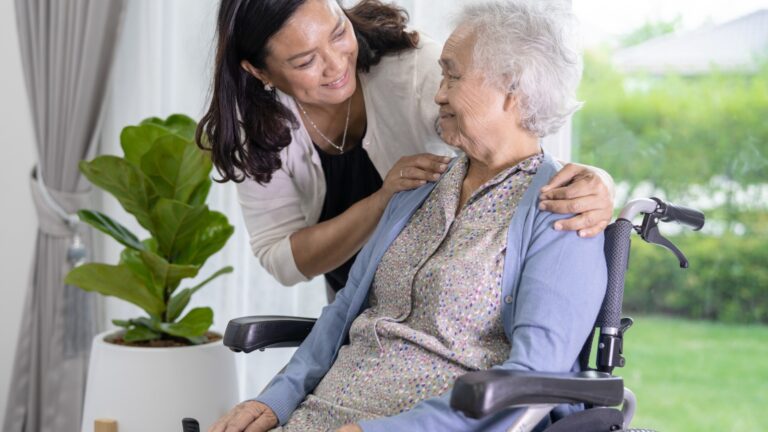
(66, 49)
(163, 65)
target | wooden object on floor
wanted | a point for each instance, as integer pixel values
(105, 425)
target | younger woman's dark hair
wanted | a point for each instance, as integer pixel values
(246, 126)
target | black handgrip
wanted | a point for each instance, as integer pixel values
(617, 244)
(684, 215)
(190, 425)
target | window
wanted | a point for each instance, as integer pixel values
(676, 96)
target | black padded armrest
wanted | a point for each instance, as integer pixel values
(482, 393)
(269, 331)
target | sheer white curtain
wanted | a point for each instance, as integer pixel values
(163, 66)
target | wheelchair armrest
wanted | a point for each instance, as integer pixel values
(482, 393)
(269, 331)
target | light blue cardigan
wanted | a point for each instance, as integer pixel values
(552, 289)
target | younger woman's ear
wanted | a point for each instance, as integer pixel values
(254, 71)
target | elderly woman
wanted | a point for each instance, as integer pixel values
(466, 274)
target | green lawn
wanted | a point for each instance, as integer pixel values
(697, 376)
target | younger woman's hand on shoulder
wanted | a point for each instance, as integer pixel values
(583, 190)
(411, 172)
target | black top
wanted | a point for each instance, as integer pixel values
(349, 177)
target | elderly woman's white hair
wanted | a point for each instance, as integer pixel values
(529, 47)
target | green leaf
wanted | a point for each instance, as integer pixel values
(177, 123)
(121, 323)
(116, 281)
(166, 274)
(208, 240)
(125, 182)
(176, 167)
(179, 301)
(111, 227)
(132, 259)
(140, 334)
(137, 140)
(194, 324)
(177, 224)
(199, 195)
(150, 323)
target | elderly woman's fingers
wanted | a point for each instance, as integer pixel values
(266, 421)
(240, 421)
(261, 424)
(243, 415)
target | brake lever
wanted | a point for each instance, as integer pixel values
(649, 231)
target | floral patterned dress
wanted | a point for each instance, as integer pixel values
(435, 306)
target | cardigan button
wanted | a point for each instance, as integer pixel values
(508, 299)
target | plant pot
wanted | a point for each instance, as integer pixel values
(152, 389)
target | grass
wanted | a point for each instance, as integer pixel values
(697, 376)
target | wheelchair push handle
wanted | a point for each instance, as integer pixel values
(687, 216)
(617, 246)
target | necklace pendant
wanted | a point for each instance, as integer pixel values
(328, 140)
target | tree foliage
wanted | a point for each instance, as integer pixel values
(689, 138)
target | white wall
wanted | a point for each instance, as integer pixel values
(18, 221)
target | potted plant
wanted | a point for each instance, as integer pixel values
(169, 355)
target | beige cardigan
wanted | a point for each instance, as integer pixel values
(399, 101)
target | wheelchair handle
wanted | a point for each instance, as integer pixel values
(664, 211)
(687, 216)
(617, 244)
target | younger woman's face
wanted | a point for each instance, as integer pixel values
(313, 57)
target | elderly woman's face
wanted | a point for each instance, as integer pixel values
(470, 108)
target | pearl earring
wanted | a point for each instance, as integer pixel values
(268, 87)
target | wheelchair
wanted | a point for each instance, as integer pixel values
(609, 406)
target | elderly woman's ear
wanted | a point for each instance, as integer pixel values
(584, 190)
(510, 102)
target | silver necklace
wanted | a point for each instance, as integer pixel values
(346, 125)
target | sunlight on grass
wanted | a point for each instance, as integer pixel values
(697, 376)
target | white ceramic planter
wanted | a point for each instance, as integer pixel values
(152, 389)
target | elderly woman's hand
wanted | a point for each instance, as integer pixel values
(351, 427)
(250, 416)
(584, 190)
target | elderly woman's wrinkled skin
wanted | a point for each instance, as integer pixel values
(477, 116)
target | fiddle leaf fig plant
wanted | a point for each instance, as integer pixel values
(162, 180)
